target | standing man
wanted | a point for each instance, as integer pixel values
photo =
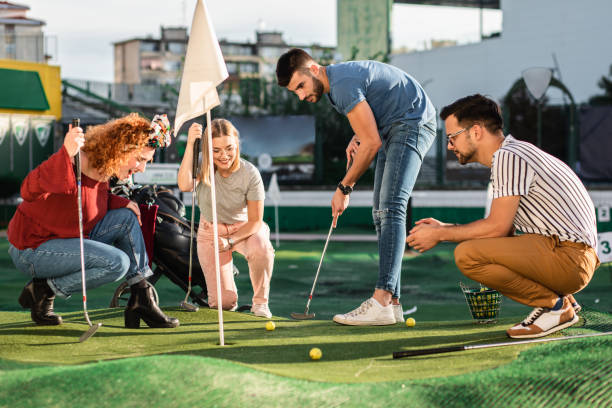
(533, 192)
(391, 115)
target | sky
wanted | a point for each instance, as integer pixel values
(81, 32)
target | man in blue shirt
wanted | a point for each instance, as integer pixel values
(391, 115)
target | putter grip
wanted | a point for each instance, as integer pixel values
(422, 352)
(76, 122)
(196, 155)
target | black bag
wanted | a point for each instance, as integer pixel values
(171, 239)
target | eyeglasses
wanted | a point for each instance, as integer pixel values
(449, 138)
(227, 150)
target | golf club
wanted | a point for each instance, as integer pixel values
(77, 161)
(306, 315)
(185, 305)
(438, 350)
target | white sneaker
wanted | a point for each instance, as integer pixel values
(543, 321)
(398, 313)
(261, 310)
(370, 313)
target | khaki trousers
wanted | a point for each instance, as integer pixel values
(531, 269)
(258, 252)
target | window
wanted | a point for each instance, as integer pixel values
(150, 63)
(248, 67)
(172, 66)
(232, 68)
(149, 46)
(9, 41)
(176, 47)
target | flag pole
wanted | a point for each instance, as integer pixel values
(213, 198)
(276, 224)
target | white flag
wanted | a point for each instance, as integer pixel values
(204, 69)
(274, 191)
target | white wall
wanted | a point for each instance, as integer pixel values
(578, 32)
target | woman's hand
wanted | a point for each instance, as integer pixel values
(74, 140)
(135, 209)
(195, 132)
(224, 244)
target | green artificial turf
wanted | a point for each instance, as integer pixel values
(350, 354)
(570, 373)
(184, 367)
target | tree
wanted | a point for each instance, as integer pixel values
(605, 83)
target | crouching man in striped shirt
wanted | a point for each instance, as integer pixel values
(534, 193)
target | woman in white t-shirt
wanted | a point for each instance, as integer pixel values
(240, 197)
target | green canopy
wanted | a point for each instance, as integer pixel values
(22, 90)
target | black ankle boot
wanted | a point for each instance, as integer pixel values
(38, 296)
(142, 306)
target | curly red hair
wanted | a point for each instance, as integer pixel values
(109, 146)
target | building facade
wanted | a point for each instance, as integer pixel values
(21, 37)
(567, 36)
(151, 60)
(159, 60)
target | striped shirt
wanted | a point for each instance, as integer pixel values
(553, 200)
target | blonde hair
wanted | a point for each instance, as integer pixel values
(219, 128)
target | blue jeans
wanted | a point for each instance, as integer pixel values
(115, 248)
(397, 166)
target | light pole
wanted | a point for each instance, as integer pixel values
(537, 80)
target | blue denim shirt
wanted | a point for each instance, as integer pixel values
(393, 95)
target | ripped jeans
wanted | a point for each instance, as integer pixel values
(397, 166)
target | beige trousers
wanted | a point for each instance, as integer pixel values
(258, 252)
(531, 269)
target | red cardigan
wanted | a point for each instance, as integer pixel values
(49, 208)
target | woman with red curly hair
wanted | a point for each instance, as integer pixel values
(44, 232)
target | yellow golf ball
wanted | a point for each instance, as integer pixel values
(315, 353)
(270, 325)
(410, 322)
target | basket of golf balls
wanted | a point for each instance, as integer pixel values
(484, 303)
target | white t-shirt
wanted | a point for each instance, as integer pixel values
(232, 194)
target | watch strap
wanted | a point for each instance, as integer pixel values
(346, 190)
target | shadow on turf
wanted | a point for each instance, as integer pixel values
(335, 350)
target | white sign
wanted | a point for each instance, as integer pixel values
(537, 80)
(158, 173)
(603, 213)
(20, 129)
(4, 127)
(604, 250)
(264, 161)
(42, 128)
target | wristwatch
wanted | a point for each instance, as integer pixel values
(230, 242)
(346, 190)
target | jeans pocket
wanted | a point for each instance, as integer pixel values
(426, 136)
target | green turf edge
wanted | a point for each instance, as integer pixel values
(572, 373)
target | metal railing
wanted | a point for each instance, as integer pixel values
(129, 94)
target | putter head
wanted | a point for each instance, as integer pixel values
(188, 307)
(302, 316)
(90, 332)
